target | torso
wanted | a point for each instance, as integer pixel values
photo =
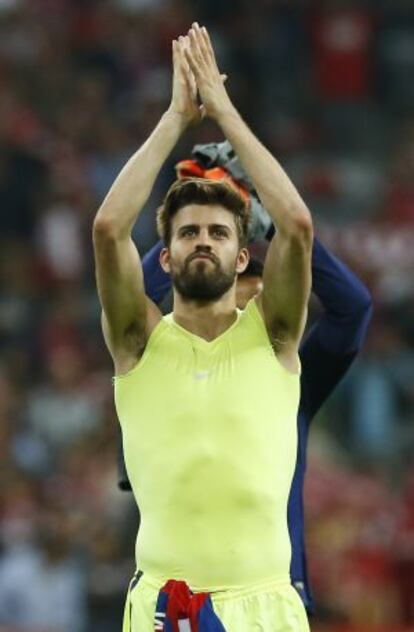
(210, 445)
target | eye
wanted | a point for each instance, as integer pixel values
(221, 233)
(188, 232)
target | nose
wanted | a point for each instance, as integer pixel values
(204, 239)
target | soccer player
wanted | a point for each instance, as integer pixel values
(326, 354)
(207, 396)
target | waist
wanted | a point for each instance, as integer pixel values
(214, 555)
(218, 593)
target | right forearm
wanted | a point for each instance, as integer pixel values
(132, 187)
(277, 193)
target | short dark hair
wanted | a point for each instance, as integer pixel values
(201, 191)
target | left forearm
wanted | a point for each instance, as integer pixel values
(276, 191)
(346, 301)
(339, 290)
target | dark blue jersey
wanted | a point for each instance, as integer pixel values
(326, 353)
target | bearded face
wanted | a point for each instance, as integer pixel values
(202, 276)
(204, 256)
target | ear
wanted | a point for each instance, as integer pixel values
(165, 260)
(243, 259)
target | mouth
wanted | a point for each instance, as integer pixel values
(202, 257)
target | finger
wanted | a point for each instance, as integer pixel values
(184, 41)
(194, 57)
(174, 52)
(207, 41)
(195, 69)
(209, 47)
(191, 82)
(202, 42)
(177, 70)
(183, 61)
(195, 46)
(208, 58)
(204, 52)
(197, 30)
(186, 70)
(183, 45)
(224, 78)
(188, 74)
(178, 54)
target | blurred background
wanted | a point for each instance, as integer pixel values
(329, 87)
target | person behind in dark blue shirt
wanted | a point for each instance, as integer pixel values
(327, 350)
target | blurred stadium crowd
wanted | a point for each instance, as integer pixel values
(328, 86)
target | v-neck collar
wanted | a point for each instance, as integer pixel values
(199, 339)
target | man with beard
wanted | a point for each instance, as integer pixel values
(326, 352)
(207, 396)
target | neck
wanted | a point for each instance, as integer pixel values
(205, 319)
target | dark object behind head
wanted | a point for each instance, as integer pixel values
(254, 269)
(205, 192)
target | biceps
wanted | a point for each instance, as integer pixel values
(120, 286)
(287, 285)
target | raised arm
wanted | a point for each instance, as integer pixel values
(339, 333)
(128, 317)
(287, 271)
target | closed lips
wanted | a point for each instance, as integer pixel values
(200, 256)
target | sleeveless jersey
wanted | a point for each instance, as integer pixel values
(210, 437)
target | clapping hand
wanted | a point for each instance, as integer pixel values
(184, 100)
(201, 61)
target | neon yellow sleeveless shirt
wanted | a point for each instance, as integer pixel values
(209, 434)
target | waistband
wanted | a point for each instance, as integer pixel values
(219, 594)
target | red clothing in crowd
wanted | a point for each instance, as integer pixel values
(342, 41)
